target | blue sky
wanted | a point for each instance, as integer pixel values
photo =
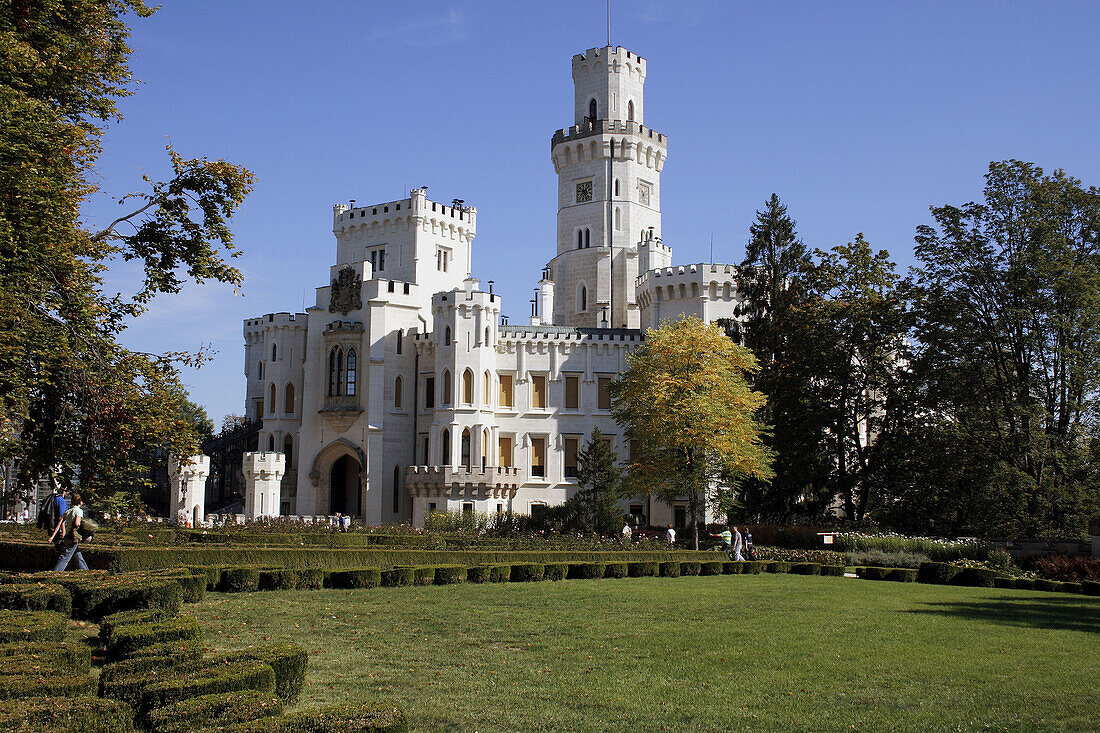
(860, 115)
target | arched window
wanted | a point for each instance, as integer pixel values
(351, 372)
(582, 299)
(271, 401)
(447, 336)
(487, 389)
(396, 489)
(488, 336)
(587, 237)
(398, 388)
(288, 451)
(445, 447)
(580, 244)
(446, 387)
(259, 370)
(468, 387)
(271, 443)
(465, 459)
(616, 186)
(484, 447)
(399, 340)
(335, 367)
(630, 111)
(288, 399)
(618, 219)
(274, 352)
(592, 110)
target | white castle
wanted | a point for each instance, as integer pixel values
(402, 391)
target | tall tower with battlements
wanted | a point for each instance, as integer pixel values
(609, 194)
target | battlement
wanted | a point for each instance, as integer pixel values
(274, 320)
(588, 128)
(264, 465)
(470, 297)
(417, 205)
(614, 56)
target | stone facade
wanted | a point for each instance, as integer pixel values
(401, 391)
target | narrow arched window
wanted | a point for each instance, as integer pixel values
(351, 372)
(398, 388)
(447, 336)
(288, 451)
(587, 237)
(468, 387)
(592, 110)
(259, 370)
(616, 186)
(271, 443)
(288, 399)
(396, 489)
(271, 401)
(334, 358)
(465, 458)
(487, 389)
(488, 336)
(399, 340)
(618, 219)
(445, 447)
(582, 300)
(580, 244)
(274, 352)
(630, 111)
(446, 387)
(484, 448)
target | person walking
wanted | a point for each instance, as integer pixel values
(670, 535)
(627, 532)
(727, 539)
(69, 541)
(737, 557)
(749, 554)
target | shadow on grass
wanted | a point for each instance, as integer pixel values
(1072, 614)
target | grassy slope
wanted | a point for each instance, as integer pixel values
(720, 653)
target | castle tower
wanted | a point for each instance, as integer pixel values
(609, 197)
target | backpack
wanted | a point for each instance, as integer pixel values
(47, 514)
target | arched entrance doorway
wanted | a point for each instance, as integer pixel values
(344, 486)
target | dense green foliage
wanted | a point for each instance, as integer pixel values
(85, 714)
(219, 710)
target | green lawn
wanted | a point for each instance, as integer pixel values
(760, 653)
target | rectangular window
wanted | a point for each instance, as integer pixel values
(504, 445)
(467, 507)
(604, 400)
(571, 447)
(538, 393)
(572, 393)
(505, 390)
(399, 340)
(429, 392)
(538, 456)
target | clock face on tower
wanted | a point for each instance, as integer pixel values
(584, 192)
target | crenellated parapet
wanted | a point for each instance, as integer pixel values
(467, 482)
(263, 473)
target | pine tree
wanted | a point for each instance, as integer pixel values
(601, 482)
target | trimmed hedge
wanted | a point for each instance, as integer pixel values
(399, 576)
(1025, 584)
(207, 678)
(288, 661)
(778, 566)
(36, 597)
(127, 639)
(1004, 581)
(528, 572)
(49, 682)
(60, 655)
(124, 680)
(31, 626)
(500, 573)
(833, 571)
(872, 573)
(424, 575)
(670, 569)
(216, 711)
(643, 569)
(95, 598)
(108, 624)
(1090, 587)
(181, 650)
(556, 571)
(239, 579)
(1047, 585)
(806, 568)
(66, 715)
(1071, 587)
(586, 570)
(975, 577)
(902, 575)
(213, 574)
(450, 574)
(733, 567)
(477, 574)
(752, 567)
(710, 567)
(690, 567)
(363, 718)
(192, 584)
(357, 578)
(938, 573)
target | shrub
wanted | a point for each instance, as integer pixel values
(806, 568)
(752, 567)
(49, 682)
(878, 558)
(123, 680)
(937, 550)
(399, 576)
(108, 624)
(616, 570)
(1025, 584)
(1071, 587)
(183, 651)
(976, 577)
(239, 579)
(825, 557)
(1047, 585)
(207, 678)
(126, 639)
(358, 578)
(779, 566)
(733, 567)
(213, 574)
(66, 715)
(500, 573)
(938, 573)
(586, 570)
(1090, 587)
(192, 587)
(524, 572)
(310, 579)
(1004, 581)
(288, 661)
(1064, 567)
(423, 575)
(643, 569)
(215, 711)
(450, 574)
(362, 718)
(835, 571)
(95, 598)
(278, 580)
(690, 567)
(477, 574)
(60, 655)
(872, 573)
(902, 575)
(670, 569)
(31, 626)
(556, 571)
(36, 597)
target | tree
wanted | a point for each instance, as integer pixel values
(1009, 335)
(601, 482)
(772, 280)
(69, 392)
(690, 415)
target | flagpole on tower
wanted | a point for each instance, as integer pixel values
(609, 23)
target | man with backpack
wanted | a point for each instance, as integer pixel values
(70, 528)
(52, 508)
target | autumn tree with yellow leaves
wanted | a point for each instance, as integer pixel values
(690, 414)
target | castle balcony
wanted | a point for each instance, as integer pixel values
(588, 128)
(475, 482)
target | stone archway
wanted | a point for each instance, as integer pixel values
(353, 471)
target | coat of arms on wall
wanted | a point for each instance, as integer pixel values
(346, 289)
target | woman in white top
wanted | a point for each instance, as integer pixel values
(70, 540)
